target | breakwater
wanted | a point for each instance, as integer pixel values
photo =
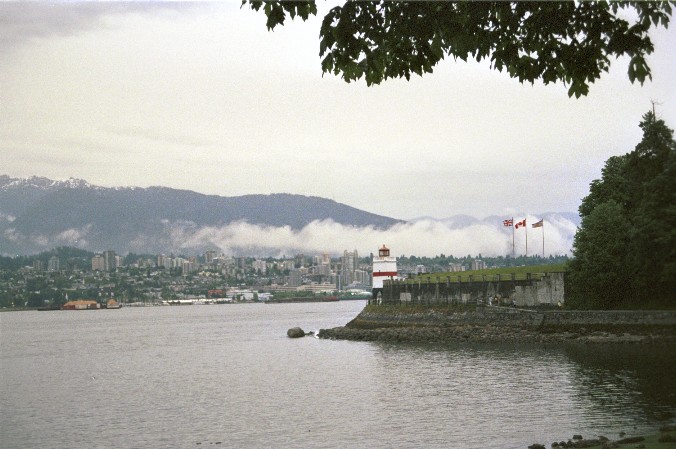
(499, 324)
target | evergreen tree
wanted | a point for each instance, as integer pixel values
(599, 277)
(625, 249)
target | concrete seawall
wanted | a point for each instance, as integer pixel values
(503, 323)
(533, 290)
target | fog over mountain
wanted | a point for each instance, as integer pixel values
(39, 213)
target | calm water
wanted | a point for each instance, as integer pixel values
(227, 376)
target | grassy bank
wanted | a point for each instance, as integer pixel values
(520, 273)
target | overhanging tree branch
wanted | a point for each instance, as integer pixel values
(569, 42)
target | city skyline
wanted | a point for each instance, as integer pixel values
(202, 97)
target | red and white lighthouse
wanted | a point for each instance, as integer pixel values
(384, 267)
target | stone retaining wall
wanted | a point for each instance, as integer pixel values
(516, 317)
(547, 289)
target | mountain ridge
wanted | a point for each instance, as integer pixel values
(36, 211)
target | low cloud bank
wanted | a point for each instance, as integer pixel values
(426, 237)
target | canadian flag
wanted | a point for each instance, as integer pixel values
(520, 223)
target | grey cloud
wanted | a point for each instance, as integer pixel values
(23, 21)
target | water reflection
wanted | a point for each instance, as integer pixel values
(617, 377)
(510, 393)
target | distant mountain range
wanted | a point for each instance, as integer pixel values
(38, 214)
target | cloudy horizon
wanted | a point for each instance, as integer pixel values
(202, 97)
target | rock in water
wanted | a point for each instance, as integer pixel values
(295, 332)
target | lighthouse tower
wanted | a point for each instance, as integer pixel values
(384, 267)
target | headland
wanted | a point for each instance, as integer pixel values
(472, 323)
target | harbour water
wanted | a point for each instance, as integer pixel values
(227, 376)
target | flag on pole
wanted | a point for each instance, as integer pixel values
(509, 222)
(539, 224)
(520, 223)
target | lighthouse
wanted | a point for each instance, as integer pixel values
(384, 267)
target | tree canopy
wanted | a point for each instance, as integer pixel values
(569, 42)
(625, 249)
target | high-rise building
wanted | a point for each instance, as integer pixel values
(324, 269)
(188, 266)
(299, 260)
(53, 264)
(163, 261)
(209, 256)
(295, 278)
(109, 260)
(98, 263)
(349, 264)
(350, 260)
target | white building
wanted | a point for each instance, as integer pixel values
(478, 264)
(384, 267)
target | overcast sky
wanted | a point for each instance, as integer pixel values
(203, 97)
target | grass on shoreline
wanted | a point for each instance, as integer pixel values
(491, 274)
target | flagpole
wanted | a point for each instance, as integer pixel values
(543, 239)
(513, 250)
(526, 226)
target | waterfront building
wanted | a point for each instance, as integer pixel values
(361, 277)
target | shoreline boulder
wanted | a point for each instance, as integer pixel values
(295, 332)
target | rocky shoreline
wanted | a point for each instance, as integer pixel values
(470, 326)
(664, 439)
